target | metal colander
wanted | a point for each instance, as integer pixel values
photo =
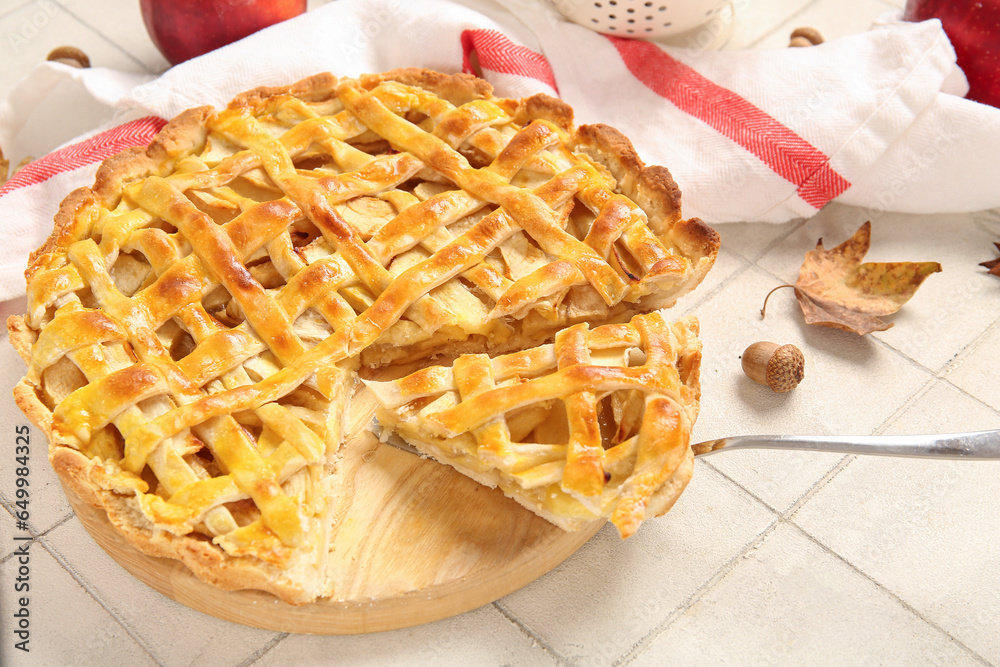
(644, 19)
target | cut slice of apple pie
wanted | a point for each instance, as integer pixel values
(197, 319)
(595, 425)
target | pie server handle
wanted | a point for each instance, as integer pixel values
(972, 445)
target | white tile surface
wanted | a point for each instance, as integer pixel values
(963, 292)
(830, 17)
(8, 530)
(11, 6)
(838, 365)
(749, 239)
(442, 643)
(591, 612)
(777, 478)
(127, 31)
(152, 617)
(757, 18)
(727, 264)
(926, 530)
(29, 33)
(923, 329)
(975, 371)
(92, 638)
(923, 532)
(790, 602)
(47, 503)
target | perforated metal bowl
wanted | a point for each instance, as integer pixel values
(644, 19)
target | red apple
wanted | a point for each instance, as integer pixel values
(974, 29)
(183, 29)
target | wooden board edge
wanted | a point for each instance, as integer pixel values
(327, 617)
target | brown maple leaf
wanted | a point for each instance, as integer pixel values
(836, 290)
(994, 264)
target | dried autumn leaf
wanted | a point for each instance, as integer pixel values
(836, 290)
(994, 264)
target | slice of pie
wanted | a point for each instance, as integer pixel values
(197, 319)
(595, 425)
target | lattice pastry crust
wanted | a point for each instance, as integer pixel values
(594, 425)
(197, 318)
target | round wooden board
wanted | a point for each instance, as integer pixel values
(415, 542)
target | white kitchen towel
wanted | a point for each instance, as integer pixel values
(768, 135)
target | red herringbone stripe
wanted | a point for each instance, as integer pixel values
(499, 54)
(789, 155)
(99, 147)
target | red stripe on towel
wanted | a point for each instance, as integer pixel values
(496, 52)
(99, 147)
(789, 155)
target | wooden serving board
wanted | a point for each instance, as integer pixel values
(416, 542)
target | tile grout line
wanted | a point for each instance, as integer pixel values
(33, 540)
(531, 634)
(961, 355)
(815, 488)
(786, 517)
(945, 366)
(970, 396)
(888, 592)
(750, 493)
(58, 523)
(919, 393)
(702, 590)
(106, 39)
(33, 533)
(796, 226)
(848, 459)
(781, 22)
(968, 349)
(707, 296)
(747, 264)
(15, 9)
(64, 563)
(264, 650)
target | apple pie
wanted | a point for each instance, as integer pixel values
(595, 424)
(198, 318)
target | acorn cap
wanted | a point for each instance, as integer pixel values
(785, 369)
(780, 367)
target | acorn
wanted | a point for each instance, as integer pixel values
(805, 36)
(69, 55)
(780, 367)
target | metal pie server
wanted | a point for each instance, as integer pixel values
(974, 445)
